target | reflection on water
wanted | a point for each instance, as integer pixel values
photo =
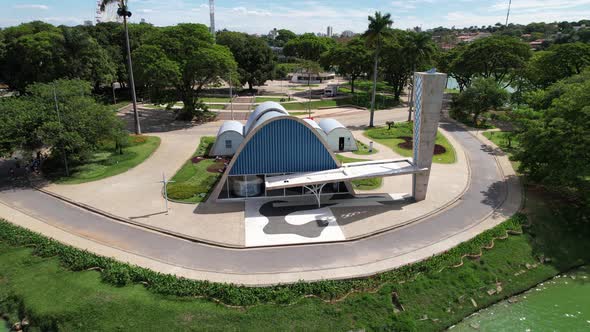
(561, 304)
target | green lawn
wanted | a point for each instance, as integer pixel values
(365, 184)
(214, 99)
(300, 113)
(363, 149)
(275, 99)
(390, 138)
(501, 139)
(106, 162)
(53, 298)
(119, 105)
(357, 100)
(452, 91)
(192, 183)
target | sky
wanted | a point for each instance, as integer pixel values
(261, 16)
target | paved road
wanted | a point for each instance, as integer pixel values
(487, 190)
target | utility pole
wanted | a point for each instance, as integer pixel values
(508, 14)
(212, 16)
(59, 121)
(126, 13)
(231, 97)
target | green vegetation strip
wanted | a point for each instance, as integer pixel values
(391, 138)
(35, 270)
(107, 162)
(365, 184)
(507, 141)
(275, 99)
(192, 183)
(363, 149)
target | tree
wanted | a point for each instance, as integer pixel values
(310, 68)
(308, 46)
(483, 95)
(283, 37)
(72, 127)
(351, 60)
(378, 27)
(125, 13)
(498, 57)
(155, 73)
(86, 59)
(456, 65)
(199, 61)
(553, 143)
(396, 63)
(33, 57)
(419, 49)
(253, 55)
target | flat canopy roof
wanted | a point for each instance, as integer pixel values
(348, 172)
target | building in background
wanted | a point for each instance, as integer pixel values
(347, 34)
(330, 32)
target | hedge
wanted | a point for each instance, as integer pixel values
(122, 274)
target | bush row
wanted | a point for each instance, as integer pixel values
(121, 274)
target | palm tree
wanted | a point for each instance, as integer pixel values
(419, 50)
(378, 28)
(125, 13)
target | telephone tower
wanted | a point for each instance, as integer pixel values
(212, 14)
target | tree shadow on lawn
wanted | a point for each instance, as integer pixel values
(155, 121)
(559, 230)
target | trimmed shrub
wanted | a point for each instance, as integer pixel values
(121, 274)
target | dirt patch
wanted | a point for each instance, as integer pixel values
(408, 144)
(197, 160)
(218, 167)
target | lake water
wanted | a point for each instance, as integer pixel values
(561, 304)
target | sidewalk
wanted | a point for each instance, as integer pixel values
(137, 193)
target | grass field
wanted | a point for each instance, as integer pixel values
(214, 99)
(119, 105)
(106, 162)
(55, 298)
(275, 99)
(501, 139)
(365, 184)
(361, 100)
(363, 149)
(192, 183)
(390, 138)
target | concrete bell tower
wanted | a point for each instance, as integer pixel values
(428, 95)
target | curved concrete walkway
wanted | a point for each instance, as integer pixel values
(493, 195)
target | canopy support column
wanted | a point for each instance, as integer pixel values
(316, 190)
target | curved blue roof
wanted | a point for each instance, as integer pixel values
(284, 145)
(263, 108)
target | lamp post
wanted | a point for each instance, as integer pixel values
(125, 13)
(231, 97)
(59, 121)
(166, 182)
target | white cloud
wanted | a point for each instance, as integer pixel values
(244, 11)
(31, 6)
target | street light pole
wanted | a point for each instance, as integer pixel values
(231, 97)
(59, 121)
(125, 13)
